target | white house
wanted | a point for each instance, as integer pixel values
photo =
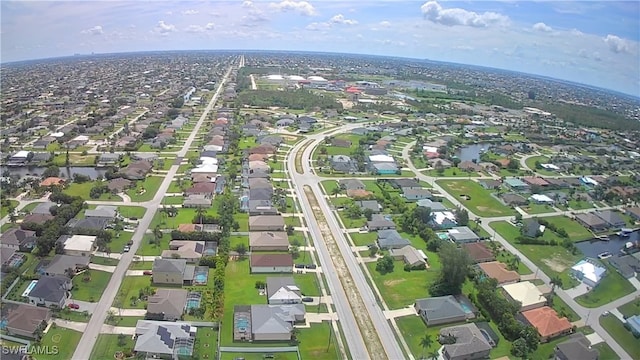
(79, 245)
(589, 271)
(541, 199)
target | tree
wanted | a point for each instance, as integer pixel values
(454, 271)
(555, 281)
(462, 217)
(385, 264)
(368, 214)
(241, 249)
(51, 171)
(513, 165)
(519, 348)
(373, 250)
(336, 191)
(425, 342)
(353, 211)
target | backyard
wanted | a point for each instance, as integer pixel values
(318, 342)
(478, 200)
(89, 285)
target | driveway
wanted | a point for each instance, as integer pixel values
(578, 290)
(110, 329)
(106, 268)
(84, 305)
(409, 310)
(136, 272)
(73, 325)
(128, 312)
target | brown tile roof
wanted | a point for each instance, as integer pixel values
(535, 181)
(546, 321)
(27, 317)
(51, 181)
(265, 260)
(258, 157)
(497, 270)
(478, 251)
(202, 188)
(37, 218)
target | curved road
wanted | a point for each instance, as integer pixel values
(89, 337)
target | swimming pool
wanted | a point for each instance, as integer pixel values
(443, 236)
(29, 288)
(193, 300)
(466, 308)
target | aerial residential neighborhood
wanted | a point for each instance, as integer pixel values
(289, 205)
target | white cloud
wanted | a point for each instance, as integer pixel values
(616, 44)
(318, 26)
(96, 30)
(456, 16)
(301, 7)
(340, 19)
(164, 29)
(190, 12)
(210, 26)
(199, 29)
(542, 27)
(247, 4)
(384, 24)
(576, 32)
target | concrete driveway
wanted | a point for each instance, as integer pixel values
(578, 290)
(99, 267)
(84, 305)
(128, 312)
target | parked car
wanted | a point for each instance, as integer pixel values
(604, 255)
(299, 266)
(310, 266)
(307, 299)
(147, 272)
(126, 248)
(73, 306)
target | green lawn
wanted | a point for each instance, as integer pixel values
(481, 202)
(205, 345)
(64, 339)
(126, 321)
(450, 172)
(104, 261)
(580, 205)
(82, 190)
(400, 288)
(551, 259)
(616, 329)
(412, 329)
(129, 288)
(149, 249)
(534, 209)
(605, 351)
(173, 200)
(564, 310)
(611, 287)
(90, 290)
(318, 342)
(505, 257)
(141, 265)
(631, 308)
(364, 239)
(150, 186)
(28, 208)
(575, 231)
(68, 314)
(350, 223)
(132, 211)
(107, 345)
(308, 284)
(258, 356)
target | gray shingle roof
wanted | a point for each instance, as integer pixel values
(442, 307)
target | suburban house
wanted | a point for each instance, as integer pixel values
(612, 218)
(351, 184)
(25, 320)
(435, 206)
(275, 322)
(78, 245)
(589, 271)
(547, 322)
(343, 164)
(634, 212)
(283, 290)
(262, 207)
(44, 208)
(516, 184)
(380, 222)
(478, 252)
(166, 304)
(531, 228)
(184, 249)
(268, 241)
(60, 265)
(443, 220)
(529, 295)
(108, 159)
(592, 222)
(119, 184)
(206, 189)
(627, 265)
(50, 291)
(411, 256)
(384, 168)
(462, 234)
(444, 309)
(87, 225)
(578, 347)
(266, 223)
(512, 199)
(196, 201)
(172, 272)
(633, 325)
(369, 204)
(403, 183)
(391, 239)
(18, 240)
(416, 194)
(102, 211)
(470, 343)
(137, 170)
(498, 271)
(271, 263)
(159, 339)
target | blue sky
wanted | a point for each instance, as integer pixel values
(591, 42)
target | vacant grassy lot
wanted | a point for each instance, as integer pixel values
(575, 231)
(258, 356)
(173, 200)
(631, 308)
(104, 261)
(107, 345)
(318, 342)
(616, 329)
(362, 239)
(150, 185)
(149, 249)
(611, 287)
(450, 172)
(308, 284)
(82, 190)
(551, 259)
(92, 289)
(480, 200)
(66, 340)
(130, 287)
(534, 209)
(132, 211)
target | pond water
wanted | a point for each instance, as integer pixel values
(592, 248)
(65, 172)
(472, 152)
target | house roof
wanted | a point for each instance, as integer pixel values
(185, 249)
(50, 181)
(270, 260)
(16, 236)
(43, 208)
(515, 182)
(264, 220)
(202, 188)
(282, 288)
(118, 184)
(50, 288)
(159, 337)
(462, 233)
(591, 220)
(469, 340)
(169, 265)
(525, 292)
(433, 205)
(60, 263)
(80, 243)
(546, 321)
(410, 254)
(590, 269)
(536, 181)
(478, 251)
(274, 319)
(268, 238)
(442, 307)
(611, 217)
(578, 347)
(497, 270)
(350, 184)
(105, 211)
(88, 223)
(168, 301)
(27, 318)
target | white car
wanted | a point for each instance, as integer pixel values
(604, 255)
(126, 248)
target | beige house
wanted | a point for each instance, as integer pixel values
(167, 304)
(172, 272)
(266, 223)
(25, 320)
(184, 249)
(268, 241)
(79, 245)
(529, 295)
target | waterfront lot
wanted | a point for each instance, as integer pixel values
(611, 287)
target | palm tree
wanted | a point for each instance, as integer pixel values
(433, 355)
(336, 191)
(425, 342)
(555, 281)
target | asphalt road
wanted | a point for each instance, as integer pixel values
(350, 327)
(89, 337)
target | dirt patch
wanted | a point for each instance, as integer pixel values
(368, 330)
(555, 264)
(393, 282)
